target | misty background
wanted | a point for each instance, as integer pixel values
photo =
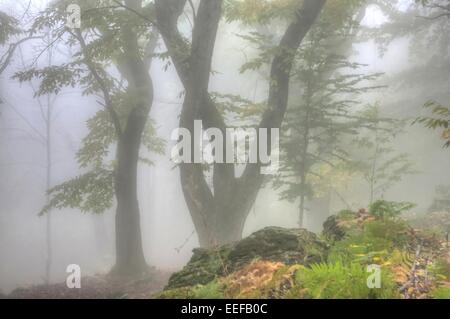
(167, 230)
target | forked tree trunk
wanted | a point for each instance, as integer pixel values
(222, 230)
(219, 213)
(224, 221)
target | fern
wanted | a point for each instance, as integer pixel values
(384, 209)
(340, 281)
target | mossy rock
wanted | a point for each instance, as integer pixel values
(204, 266)
(346, 222)
(332, 230)
(288, 246)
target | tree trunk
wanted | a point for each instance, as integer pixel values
(48, 226)
(224, 222)
(219, 213)
(301, 211)
(320, 211)
(130, 258)
(225, 228)
(49, 167)
(373, 170)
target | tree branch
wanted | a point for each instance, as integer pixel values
(282, 64)
(103, 87)
(7, 56)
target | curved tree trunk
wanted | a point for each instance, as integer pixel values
(134, 67)
(130, 260)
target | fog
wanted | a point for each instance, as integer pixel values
(168, 232)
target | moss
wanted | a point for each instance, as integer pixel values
(213, 290)
(441, 269)
(178, 293)
(204, 267)
(288, 246)
(441, 293)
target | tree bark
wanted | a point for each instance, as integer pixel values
(130, 259)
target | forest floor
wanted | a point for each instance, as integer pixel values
(98, 287)
(368, 254)
(411, 256)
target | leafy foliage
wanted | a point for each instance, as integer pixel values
(321, 118)
(9, 27)
(265, 12)
(339, 281)
(370, 239)
(91, 192)
(440, 121)
(385, 210)
(252, 12)
(101, 50)
(372, 242)
(441, 293)
(377, 159)
(213, 290)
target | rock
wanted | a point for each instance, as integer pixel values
(332, 231)
(288, 246)
(337, 227)
(204, 266)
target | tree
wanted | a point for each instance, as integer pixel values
(437, 12)
(424, 24)
(47, 108)
(9, 27)
(110, 41)
(219, 212)
(382, 167)
(321, 116)
(439, 8)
